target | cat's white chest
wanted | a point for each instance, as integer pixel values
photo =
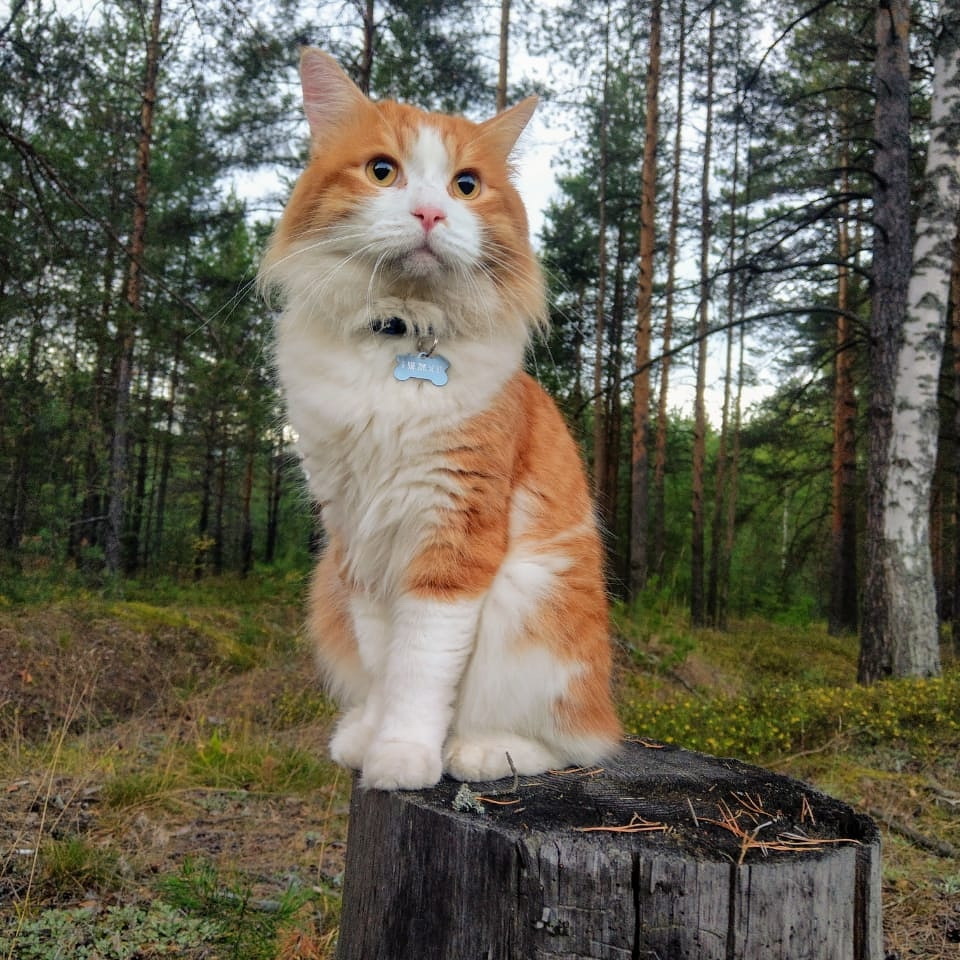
(375, 447)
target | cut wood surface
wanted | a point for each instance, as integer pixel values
(661, 853)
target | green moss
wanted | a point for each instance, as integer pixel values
(765, 723)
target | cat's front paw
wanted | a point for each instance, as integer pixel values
(401, 765)
(350, 740)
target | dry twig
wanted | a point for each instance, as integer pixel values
(637, 824)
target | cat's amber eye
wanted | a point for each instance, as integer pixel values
(466, 185)
(382, 171)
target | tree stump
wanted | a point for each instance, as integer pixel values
(661, 854)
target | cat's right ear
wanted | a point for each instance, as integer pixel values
(329, 95)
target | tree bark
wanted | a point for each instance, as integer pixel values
(659, 853)
(955, 343)
(914, 624)
(697, 509)
(660, 442)
(367, 13)
(503, 58)
(601, 400)
(719, 571)
(843, 527)
(891, 278)
(126, 333)
(609, 483)
(639, 460)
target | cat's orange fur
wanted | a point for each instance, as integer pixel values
(459, 610)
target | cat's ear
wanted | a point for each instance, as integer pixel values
(503, 131)
(329, 95)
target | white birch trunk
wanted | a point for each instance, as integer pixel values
(914, 627)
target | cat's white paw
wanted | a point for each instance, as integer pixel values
(349, 743)
(485, 757)
(401, 765)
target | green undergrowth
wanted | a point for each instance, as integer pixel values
(155, 714)
(766, 724)
(199, 911)
(761, 691)
(120, 932)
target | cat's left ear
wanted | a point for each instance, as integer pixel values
(503, 131)
(329, 96)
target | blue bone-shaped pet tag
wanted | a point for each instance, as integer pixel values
(422, 366)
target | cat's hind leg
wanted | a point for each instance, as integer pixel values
(493, 755)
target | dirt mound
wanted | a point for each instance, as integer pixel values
(75, 667)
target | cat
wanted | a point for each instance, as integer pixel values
(459, 609)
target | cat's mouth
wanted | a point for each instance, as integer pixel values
(421, 261)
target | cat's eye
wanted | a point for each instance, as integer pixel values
(382, 171)
(466, 185)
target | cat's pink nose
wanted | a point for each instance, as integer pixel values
(429, 217)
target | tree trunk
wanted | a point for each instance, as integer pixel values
(367, 12)
(126, 327)
(733, 476)
(166, 458)
(697, 605)
(600, 452)
(659, 853)
(246, 517)
(615, 409)
(503, 59)
(203, 542)
(955, 343)
(660, 442)
(719, 571)
(132, 557)
(843, 527)
(639, 460)
(219, 528)
(914, 624)
(278, 459)
(891, 278)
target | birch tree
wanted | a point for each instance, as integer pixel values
(891, 273)
(914, 635)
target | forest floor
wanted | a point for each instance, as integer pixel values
(164, 792)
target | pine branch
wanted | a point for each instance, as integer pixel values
(36, 160)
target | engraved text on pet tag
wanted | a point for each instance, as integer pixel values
(422, 366)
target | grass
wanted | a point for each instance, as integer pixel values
(163, 780)
(177, 801)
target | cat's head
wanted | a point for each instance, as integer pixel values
(397, 202)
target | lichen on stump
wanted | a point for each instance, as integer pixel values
(661, 853)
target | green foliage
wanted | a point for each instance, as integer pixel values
(135, 788)
(651, 632)
(120, 932)
(247, 928)
(225, 761)
(76, 864)
(770, 722)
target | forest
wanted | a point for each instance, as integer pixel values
(750, 248)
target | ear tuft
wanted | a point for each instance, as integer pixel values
(329, 95)
(503, 131)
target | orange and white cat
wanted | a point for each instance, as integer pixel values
(459, 610)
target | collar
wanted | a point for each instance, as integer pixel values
(390, 326)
